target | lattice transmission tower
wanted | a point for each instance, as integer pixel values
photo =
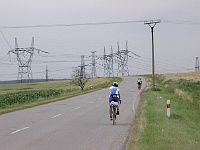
(24, 58)
(108, 63)
(82, 73)
(122, 60)
(93, 73)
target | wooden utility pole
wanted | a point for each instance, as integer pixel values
(152, 24)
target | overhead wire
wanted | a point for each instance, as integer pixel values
(69, 25)
(101, 23)
(5, 39)
(145, 63)
(180, 22)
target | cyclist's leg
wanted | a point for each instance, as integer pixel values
(118, 108)
(139, 85)
(110, 108)
(110, 111)
(114, 114)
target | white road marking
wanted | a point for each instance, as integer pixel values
(20, 130)
(78, 107)
(56, 115)
(134, 102)
(91, 102)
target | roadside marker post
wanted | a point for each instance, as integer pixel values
(168, 108)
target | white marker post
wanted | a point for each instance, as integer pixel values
(168, 108)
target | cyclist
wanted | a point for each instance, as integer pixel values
(114, 96)
(139, 82)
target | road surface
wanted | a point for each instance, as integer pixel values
(78, 123)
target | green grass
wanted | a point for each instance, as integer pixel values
(26, 96)
(12, 88)
(191, 87)
(20, 96)
(154, 130)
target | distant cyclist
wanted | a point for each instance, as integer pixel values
(139, 82)
(114, 96)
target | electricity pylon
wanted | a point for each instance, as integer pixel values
(24, 58)
(108, 63)
(93, 73)
(122, 60)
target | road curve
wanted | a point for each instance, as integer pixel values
(78, 123)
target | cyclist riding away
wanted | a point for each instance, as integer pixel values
(139, 82)
(114, 96)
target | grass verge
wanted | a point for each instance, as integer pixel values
(154, 130)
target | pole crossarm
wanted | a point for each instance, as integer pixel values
(150, 22)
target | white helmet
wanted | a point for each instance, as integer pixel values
(115, 84)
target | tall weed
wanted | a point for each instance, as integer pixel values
(192, 87)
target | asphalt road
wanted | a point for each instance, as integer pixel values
(79, 123)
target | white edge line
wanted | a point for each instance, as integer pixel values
(56, 115)
(78, 107)
(20, 130)
(134, 102)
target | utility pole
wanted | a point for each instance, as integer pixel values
(197, 65)
(46, 74)
(93, 73)
(82, 73)
(152, 24)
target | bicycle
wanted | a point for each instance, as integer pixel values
(114, 110)
(139, 86)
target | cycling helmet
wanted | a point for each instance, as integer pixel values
(115, 84)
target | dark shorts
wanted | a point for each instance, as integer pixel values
(115, 99)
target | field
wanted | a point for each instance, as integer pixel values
(24, 95)
(153, 129)
(195, 76)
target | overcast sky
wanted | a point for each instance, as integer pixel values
(176, 38)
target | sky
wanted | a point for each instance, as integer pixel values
(67, 29)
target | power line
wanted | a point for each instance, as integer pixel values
(69, 25)
(5, 39)
(180, 22)
(102, 23)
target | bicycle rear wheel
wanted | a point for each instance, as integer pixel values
(114, 115)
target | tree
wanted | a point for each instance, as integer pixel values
(79, 78)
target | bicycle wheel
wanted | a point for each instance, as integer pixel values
(114, 115)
